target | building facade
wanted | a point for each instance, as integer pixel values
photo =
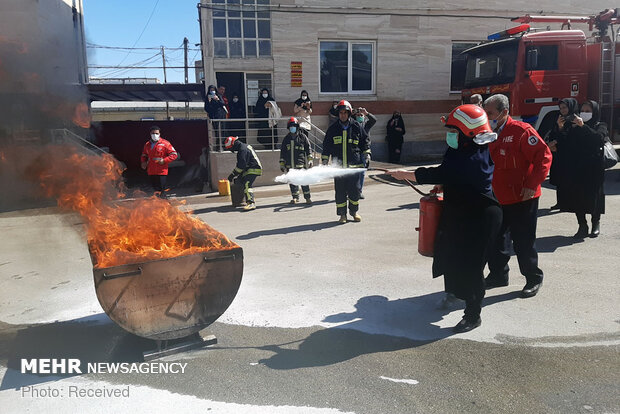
(403, 56)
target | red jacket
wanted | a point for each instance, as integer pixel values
(522, 160)
(152, 153)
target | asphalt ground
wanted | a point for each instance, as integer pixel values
(329, 318)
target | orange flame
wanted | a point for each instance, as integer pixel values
(120, 232)
(81, 116)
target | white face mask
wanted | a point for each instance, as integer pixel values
(155, 137)
(235, 100)
(265, 95)
(586, 116)
(304, 96)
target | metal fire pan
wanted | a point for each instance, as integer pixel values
(170, 298)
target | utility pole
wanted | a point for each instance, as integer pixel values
(185, 42)
(163, 58)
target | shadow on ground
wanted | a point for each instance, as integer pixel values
(288, 230)
(376, 325)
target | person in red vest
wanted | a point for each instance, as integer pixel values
(522, 161)
(156, 156)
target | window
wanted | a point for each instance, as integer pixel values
(241, 28)
(459, 65)
(346, 67)
(541, 57)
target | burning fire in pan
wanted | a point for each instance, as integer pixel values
(119, 232)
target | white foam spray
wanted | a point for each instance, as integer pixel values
(315, 175)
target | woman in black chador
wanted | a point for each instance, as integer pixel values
(471, 216)
(394, 138)
(580, 169)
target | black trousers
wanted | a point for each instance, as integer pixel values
(295, 191)
(158, 182)
(518, 226)
(347, 188)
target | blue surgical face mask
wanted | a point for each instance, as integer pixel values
(452, 138)
(360, 119)
(293, 129)
(493, 124)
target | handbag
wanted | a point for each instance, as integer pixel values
(610, 156)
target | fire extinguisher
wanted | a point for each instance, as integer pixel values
(430, 212)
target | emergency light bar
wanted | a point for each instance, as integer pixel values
(509, 32)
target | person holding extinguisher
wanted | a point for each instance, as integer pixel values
(471, 216)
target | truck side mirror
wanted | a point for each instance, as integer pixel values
(531, 62)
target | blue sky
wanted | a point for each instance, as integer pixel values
(126, 24)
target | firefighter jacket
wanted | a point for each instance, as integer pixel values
(522, 160)
(247, 160)
(347, 144)
(154, 152)
(295, 151)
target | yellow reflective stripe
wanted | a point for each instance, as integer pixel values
(356, 165)
(344, 148)
(324, 157)
(366, 152)
(255, 156)
(341, 204)
(355, 203)
(255, 171)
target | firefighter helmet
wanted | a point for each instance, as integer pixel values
(229, 142)
(472, 121)
(343, 104)
(292, 121)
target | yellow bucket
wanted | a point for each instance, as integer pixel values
(223, 186)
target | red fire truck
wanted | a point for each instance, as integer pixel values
(537, 68)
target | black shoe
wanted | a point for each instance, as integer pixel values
(493, 282)
(465, 325)
(596, 229)
(530, 289)
(582, 232)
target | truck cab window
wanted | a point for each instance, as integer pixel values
(546, 57)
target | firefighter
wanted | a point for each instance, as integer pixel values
(295, 153)
(156, 155)
(522, 161)
(348, 144)
(471, 216)
(247, 169)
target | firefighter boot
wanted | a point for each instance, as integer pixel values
(308, 201)
(250, 206)
(357, 217)
(294, 201)
(343, 219)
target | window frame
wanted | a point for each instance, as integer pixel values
(241, 6)
(470, 43)
(350, 43)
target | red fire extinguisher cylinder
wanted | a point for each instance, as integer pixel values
(430, 212)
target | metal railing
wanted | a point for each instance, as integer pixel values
(258, 133)
(63, 135)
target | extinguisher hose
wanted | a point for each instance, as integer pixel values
(422, 193)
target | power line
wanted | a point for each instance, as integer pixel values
(141, 33)
(96, 46)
